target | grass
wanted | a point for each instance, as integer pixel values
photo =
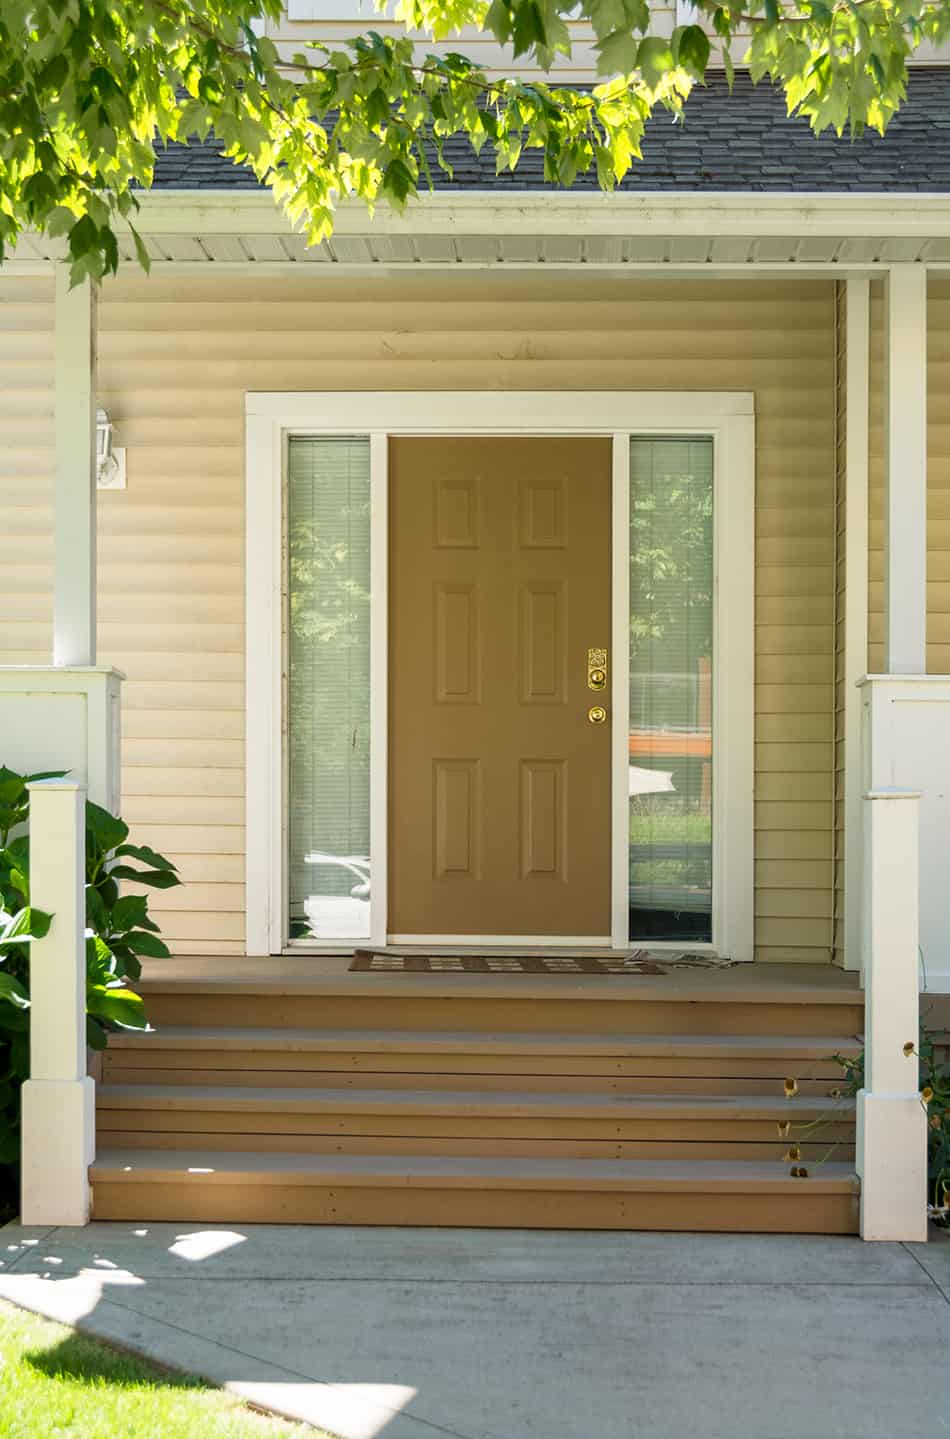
(57, 1384)
(670, 828)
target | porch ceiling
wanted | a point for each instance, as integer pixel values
(480, 230)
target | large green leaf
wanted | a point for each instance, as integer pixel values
(148, 856)
(129, 912)
(108, 831)
(12, 992)
(148, 945)
(117, 1006)
(24, 926)
(154, 878)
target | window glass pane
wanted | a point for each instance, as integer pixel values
(328, 688)
(671, 637)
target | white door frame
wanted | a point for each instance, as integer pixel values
(727, 417)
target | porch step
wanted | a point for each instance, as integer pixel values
(283, 996)
(360, 1059)
(321, 1119)
(278, 1090)
(495, 1192)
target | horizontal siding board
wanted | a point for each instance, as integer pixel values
(792, 760)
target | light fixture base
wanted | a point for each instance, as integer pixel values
(111, 471)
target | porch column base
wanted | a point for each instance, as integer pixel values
(56, 718)
(892, 1163)
(59, 1144)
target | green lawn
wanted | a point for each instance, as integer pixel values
(670, 828)
(57, 1384)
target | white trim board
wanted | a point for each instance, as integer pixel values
(857, 433)
(725, 416)
(486, 212)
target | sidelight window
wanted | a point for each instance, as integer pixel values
(328, 668)
(671, 689)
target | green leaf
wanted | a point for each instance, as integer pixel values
(24, 926)
(148, 945)
(654, 59)
(117, 1006)
(146, 855)
(107, 829)
(141, 253)
(129, 912)
(12, 785)
(693, 50)
(96, 1037)
(12, 992)
(154, 878)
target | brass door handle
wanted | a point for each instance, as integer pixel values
(597, 714)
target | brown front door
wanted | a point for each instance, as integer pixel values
(499, 784)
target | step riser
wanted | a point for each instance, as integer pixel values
(773, 1151)
(684, 1083)
(468, 1013)
(245, 1128)
(800, 1213)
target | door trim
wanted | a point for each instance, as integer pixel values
(271, 418)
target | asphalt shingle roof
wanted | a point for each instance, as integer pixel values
(739, 142)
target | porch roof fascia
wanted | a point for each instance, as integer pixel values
(482, 212)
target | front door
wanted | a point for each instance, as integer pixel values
(499, 790)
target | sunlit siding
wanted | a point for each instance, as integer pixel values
(26, 470)
(332, 21)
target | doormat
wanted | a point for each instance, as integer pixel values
(640, 961)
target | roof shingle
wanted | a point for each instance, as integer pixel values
(736, 142)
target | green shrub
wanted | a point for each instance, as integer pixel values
(118, 934)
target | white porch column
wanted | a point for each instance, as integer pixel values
(857, 338)
(892, 1121)
(905, 542)
(58, 1101)
(74, 597)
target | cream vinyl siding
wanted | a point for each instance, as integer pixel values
(332, 21)
(178, 354)
(26, 471)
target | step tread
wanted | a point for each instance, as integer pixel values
(466, 1102)
(299, 975)
(620, 1046)
(427, 1172)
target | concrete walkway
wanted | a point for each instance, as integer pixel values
(422, 1334)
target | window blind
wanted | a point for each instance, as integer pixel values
(671, 678)
(328, 686)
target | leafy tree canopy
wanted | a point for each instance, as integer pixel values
(88, 88)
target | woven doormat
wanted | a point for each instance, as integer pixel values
(639, 961)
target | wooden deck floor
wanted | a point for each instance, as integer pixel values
(330, 974)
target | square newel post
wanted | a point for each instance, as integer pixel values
(892, 1120)
(58, 1100)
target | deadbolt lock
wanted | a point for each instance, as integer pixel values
(597, 669)
(597, 714)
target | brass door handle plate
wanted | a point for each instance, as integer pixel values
(597, 714)
(597, 669)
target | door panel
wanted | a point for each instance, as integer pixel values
(499, 784)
